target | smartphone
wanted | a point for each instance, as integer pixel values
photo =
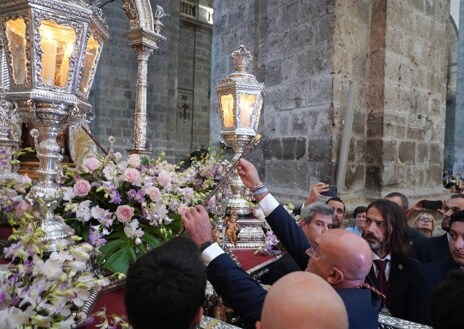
(434, 205)
(332, 192)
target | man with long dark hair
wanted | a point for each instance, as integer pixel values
(397, 275)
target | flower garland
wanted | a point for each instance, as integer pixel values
(124, 207)
(44, 293)
(119, 208)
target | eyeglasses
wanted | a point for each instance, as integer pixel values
(311, 250)
(425, 219)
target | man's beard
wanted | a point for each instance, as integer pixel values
(373, 242)
(445, 224)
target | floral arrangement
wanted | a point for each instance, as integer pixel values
(120, 208)
(124, 207)
(44, 293)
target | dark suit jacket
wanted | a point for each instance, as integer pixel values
(406, 290)
(284, 265)
(432, 249)
(416, 238)
(290, 235)
(246, 296)
(361, 305)
(238, 289)
(436, 272)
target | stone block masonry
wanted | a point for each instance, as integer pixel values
(307, 53)
(179, 74)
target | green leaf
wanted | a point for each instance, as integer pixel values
(109, 248)
(141, 247)
(151, 239)
(119, 261)
(132, 254)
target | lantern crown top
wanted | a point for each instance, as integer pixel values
(242, 57)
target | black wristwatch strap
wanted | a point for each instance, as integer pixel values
(206, 245)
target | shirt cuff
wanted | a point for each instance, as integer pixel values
(268, 204)
(211, 253)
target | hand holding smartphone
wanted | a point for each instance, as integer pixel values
(432, 204)
(332, 192)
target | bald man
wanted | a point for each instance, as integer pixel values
(246, 296)
(341, 258)
(289, 305)
(343, 263)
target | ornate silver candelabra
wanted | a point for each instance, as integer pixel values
(7, 146)
(52, 50)
(240, 98)
(50, 120)
(7, 112)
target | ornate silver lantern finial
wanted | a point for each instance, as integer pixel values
(242, 57)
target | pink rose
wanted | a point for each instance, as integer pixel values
(91, 164)
(81, 187)
(124, 213)
(134, 160)
(132, 175)
(154, 193)
(164, 178)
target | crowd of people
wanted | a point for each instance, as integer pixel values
(330, 277)
(453, 182)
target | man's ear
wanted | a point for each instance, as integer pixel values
(258, 325)
(335, 276)
(198, 316)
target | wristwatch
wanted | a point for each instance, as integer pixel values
(206, 245)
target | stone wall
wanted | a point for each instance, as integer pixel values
(307, 53)
(292, 46)
(415, 97)
(178, 74)
(451, 89)
(458, 137)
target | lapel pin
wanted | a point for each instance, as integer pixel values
(400, 267)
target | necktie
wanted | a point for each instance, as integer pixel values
(381, 278)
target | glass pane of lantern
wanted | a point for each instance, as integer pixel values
(247, 104)
(16, 38)
(227, 105)
(91, 55)
(57, 44)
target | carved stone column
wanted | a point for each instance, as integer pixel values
(143, 36)
(140, 114)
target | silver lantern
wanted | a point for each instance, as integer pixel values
(240, 98)
(52, 49)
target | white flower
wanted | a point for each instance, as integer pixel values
(97, 212)
(134, 160)
(13, 317)
(82, 295)
(52, 270)
(117, 156)
(68, 193)
(83, 211)
(110, 171)
(132, 230)
(60, 257)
